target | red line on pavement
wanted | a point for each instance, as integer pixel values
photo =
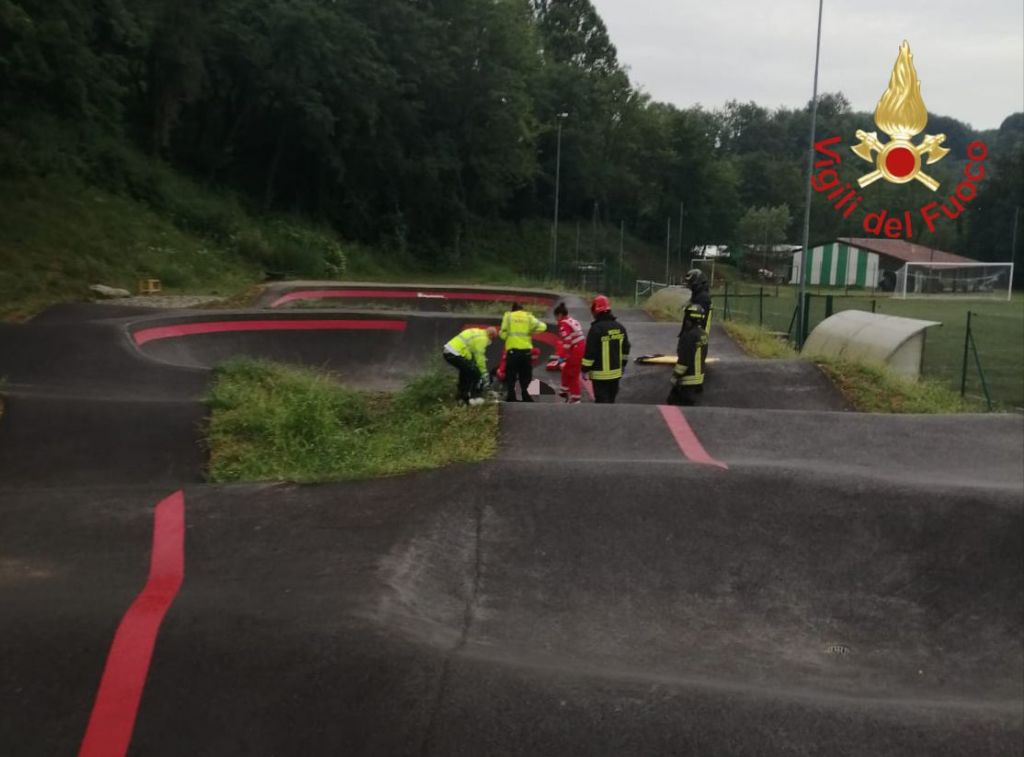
(213, 327)
(687, 440)
(408, 294)
(117, 701)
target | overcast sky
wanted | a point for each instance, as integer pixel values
(969, 54)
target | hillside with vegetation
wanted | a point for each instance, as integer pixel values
(211, 144)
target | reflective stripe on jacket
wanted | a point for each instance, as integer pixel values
(472, 345)
(517, 326)
(607, 348)
(703, 298)
(690, 353)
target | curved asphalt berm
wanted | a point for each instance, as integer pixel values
(841, 584)
(423, 297)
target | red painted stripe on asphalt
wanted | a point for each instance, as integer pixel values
(117, 701)
(213, 327)
(407, 294)
(687, 440)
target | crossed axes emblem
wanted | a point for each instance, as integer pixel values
(869, 144)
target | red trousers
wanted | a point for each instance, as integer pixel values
(571, 372)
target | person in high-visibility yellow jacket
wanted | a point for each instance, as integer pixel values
(517, 329)
(468, 353)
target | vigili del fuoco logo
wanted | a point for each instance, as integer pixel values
(901, 116)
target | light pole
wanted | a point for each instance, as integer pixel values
(558, 180)
(807, 198)
(668, 246)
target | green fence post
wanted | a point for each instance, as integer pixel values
(981, 372)
(828, 306)
(963, 369)
(807, 319)
(792, 320)
(872, 306)
(760, 306)
(725, 310)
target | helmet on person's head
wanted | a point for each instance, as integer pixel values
(492, 333)
(694, 314)
(695, 278)
(600, 304)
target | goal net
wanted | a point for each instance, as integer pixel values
(955, 280)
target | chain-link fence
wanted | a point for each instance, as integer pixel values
(645, 288)
(982, 359)
(992, 362)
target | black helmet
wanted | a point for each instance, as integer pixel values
(695, 279)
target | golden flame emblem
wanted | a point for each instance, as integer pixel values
(900, 114)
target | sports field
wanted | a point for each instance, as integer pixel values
(997, 328)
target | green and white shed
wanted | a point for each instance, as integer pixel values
(838, 264)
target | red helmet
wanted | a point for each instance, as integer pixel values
(601, 304)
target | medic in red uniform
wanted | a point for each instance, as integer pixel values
(571, 348)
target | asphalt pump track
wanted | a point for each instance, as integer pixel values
(765, 574)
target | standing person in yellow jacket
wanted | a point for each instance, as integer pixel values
(517, 329)
(468, 353)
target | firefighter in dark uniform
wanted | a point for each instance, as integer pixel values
(700, 294)
(606, 352)
(691, 351)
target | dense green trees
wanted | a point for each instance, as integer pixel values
(404, 122)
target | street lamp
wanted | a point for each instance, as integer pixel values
(558, 177)
(807, 198)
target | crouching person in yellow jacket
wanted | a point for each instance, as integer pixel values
(468, 353)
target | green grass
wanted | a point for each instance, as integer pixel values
(868, 388)
(60, 234)
(998, 328)
(667, 304)
(272, 422)
(873, 389)
(758, 341)
(58, 237)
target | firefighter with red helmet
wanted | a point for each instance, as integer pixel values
(571, 347)
(606, 352)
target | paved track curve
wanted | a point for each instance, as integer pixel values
(621, 580)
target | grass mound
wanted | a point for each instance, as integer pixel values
(667, 304)
(874, 389)
(758, 341)
(868, 388)
(282, 423)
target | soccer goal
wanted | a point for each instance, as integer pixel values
(990, 281)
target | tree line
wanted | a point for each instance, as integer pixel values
(403, 122)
